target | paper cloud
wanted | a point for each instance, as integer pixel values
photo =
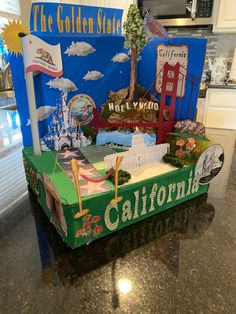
(93, 76)
(63, 84)
(81, 48)
(121, 57)
(43, 113)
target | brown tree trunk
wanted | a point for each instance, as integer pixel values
(133, 73)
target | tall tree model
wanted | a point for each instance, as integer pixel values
(135, 39)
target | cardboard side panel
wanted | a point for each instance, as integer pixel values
(139, 201)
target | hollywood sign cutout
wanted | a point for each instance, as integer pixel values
(139, 105)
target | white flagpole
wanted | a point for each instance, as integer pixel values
(32, 107)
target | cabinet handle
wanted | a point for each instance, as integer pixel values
(194, 9)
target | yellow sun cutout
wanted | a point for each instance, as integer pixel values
(10, 36)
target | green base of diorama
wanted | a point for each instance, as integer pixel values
(101, 215)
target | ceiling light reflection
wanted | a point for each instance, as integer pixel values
(124, 285)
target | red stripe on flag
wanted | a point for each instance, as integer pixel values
(36, 67)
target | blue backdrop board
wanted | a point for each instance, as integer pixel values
(196, 56)
(67, 19)
(94, 59)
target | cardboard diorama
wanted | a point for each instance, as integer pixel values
(108, 120)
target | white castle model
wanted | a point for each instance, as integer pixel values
(139, 154)
(63, 132)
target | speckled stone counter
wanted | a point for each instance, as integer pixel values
(228, 86)
(180, 261)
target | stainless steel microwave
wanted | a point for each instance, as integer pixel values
(180, 12)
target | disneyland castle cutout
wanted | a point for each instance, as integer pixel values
(63, 131)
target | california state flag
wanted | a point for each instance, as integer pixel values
(40, 56)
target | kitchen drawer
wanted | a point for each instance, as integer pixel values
(225, 98)
(220, 118)
(220, 109)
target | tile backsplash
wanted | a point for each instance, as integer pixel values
(216, 43)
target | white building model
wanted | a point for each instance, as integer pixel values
(139, 154)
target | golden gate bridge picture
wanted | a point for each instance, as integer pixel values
(172, 75)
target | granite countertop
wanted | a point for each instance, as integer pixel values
(228, 86)
(202, 92)
(180, 261)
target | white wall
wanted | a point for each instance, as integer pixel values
(25, 6)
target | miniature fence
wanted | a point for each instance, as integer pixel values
(134, 159)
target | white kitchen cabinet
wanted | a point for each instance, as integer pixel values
(220, 108)
(219, 119)
(226, 138)
(224, 16)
